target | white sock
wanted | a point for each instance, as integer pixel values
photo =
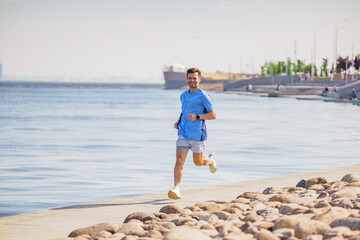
(176, 187)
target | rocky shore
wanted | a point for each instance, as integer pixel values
(314, 209)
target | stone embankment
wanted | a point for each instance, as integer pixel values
(314, 209)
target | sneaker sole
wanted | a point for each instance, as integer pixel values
(172, 195)
(215, 165)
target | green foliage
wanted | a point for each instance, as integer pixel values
(288, 66)
(295, 70)
(271, 68)
(281, 68)
(307, 68)
(263, 71)
(300, 66)
(324, 70)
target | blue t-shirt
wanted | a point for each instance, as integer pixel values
(198, 103)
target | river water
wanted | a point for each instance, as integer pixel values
(66, 144)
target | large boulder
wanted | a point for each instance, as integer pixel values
(95, 229)
(209, 206)
(292, 208)
(280, 198)
(170, 209)
(288, 222)
(249, 195)
(266, 235)
(136, 215)
(310, 227)
(132, 228)
(350, 178)
(338, 232)
(185, 233)
(313, 181)
(331, 215)
(352, 223)
(221, 214)
(301, 183)
(346, 192)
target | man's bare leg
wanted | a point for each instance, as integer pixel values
(178, 170)
(201, 160)
(181, 154)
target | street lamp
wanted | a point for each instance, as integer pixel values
(314, 60)
(335, 40)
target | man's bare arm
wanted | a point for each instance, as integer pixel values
(176, 124)
(206, 116)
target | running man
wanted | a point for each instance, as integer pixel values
(196, 107)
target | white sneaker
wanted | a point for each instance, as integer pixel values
(213, 167)
(174, 193)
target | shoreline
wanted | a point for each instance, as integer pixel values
(297, 97)
(58, 223)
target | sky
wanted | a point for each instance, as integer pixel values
(136, 38)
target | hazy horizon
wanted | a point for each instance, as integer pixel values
(137, 38)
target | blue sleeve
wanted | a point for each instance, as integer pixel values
(207, 103)
(181, 98)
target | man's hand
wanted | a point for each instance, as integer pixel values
(192, 116)
(176, 124)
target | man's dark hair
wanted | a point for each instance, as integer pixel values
(193, 70)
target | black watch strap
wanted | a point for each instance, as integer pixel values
(197, 116)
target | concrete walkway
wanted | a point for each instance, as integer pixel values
(57, 223)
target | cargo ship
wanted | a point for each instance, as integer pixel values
(175, 77)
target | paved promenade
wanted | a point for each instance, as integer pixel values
(57, 223)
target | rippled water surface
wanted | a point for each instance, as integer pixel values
(62, 145)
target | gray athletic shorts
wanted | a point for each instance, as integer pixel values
(195, 146)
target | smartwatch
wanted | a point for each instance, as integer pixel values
(197, 116)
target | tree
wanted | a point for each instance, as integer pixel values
(295, 69)
(300, 66)
(315, 71)
(341, 64)
(281, 67)
(332, 69)
(324, 70)
(288, 66)
(263, 70)
(357, 62)
(272, 69)
(275, 68)
(307, 68)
